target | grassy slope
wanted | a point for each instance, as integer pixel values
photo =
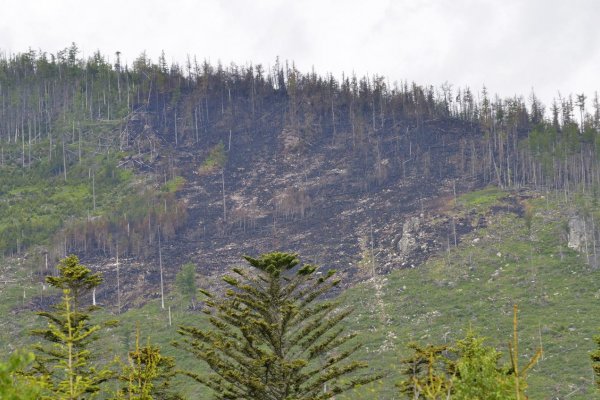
(154, 327)
(477, 283)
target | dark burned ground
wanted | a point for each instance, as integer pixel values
(336, 204)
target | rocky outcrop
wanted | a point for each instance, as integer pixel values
(583, 238)
(410, 232)
(577, 233)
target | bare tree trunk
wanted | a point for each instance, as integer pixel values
(94, 190)
(196, 122)
(595, 262)
(176, 136)
(118, 284)
(224, 204)
(585, 238)
(64, 159)
(162, 292)
(454, 231)
(23, 147)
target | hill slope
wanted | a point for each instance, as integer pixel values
(476, 284)
(104, 160)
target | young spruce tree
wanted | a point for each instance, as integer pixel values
(427, 373)
(478, 373)
(274, 338)
(147, 374)
(468, 370)
(186, 283)
(63, 365)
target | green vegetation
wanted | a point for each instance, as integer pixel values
(71, 129)
(428, 375)
(69, 364)
(467, 370)
(68, 120)
(92, 209)
(186, 282)
(75, 278)
(147, 374)
(63, 366)
(425, 306)
(153, 321)
(14, 386)
(482, 200)
(35, 203)
(173, 185)
(477, 283)
(478, 375)
(66, 168)
(215, 160)
(293, 340)
(272, 339)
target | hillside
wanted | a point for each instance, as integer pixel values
(161, 165)
(517, 252)
(510, 261)
(100, 159)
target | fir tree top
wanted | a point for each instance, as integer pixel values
(75, 277)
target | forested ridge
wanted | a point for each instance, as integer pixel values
(142, 168)
(65, 118)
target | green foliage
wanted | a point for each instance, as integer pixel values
(427, 373)
(186, 282)
(216, 159)
(542, 139)
(272, 339)
(125, 222)
(14, 386)
(476, 283)
(173, 185)
(468, 370)
(37, 202)
(76, 278)
(147, 375)
(89, 203)
(52, 104)
(482, 199)
(478, 375)
(595, 356)
(64, 367)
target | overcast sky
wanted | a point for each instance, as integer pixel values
(511, 46)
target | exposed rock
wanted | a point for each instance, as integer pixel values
(577, 233)
(581, 238)
(408, 241)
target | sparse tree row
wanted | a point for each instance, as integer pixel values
(272, 336)
(133, 230)
(54, 98)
